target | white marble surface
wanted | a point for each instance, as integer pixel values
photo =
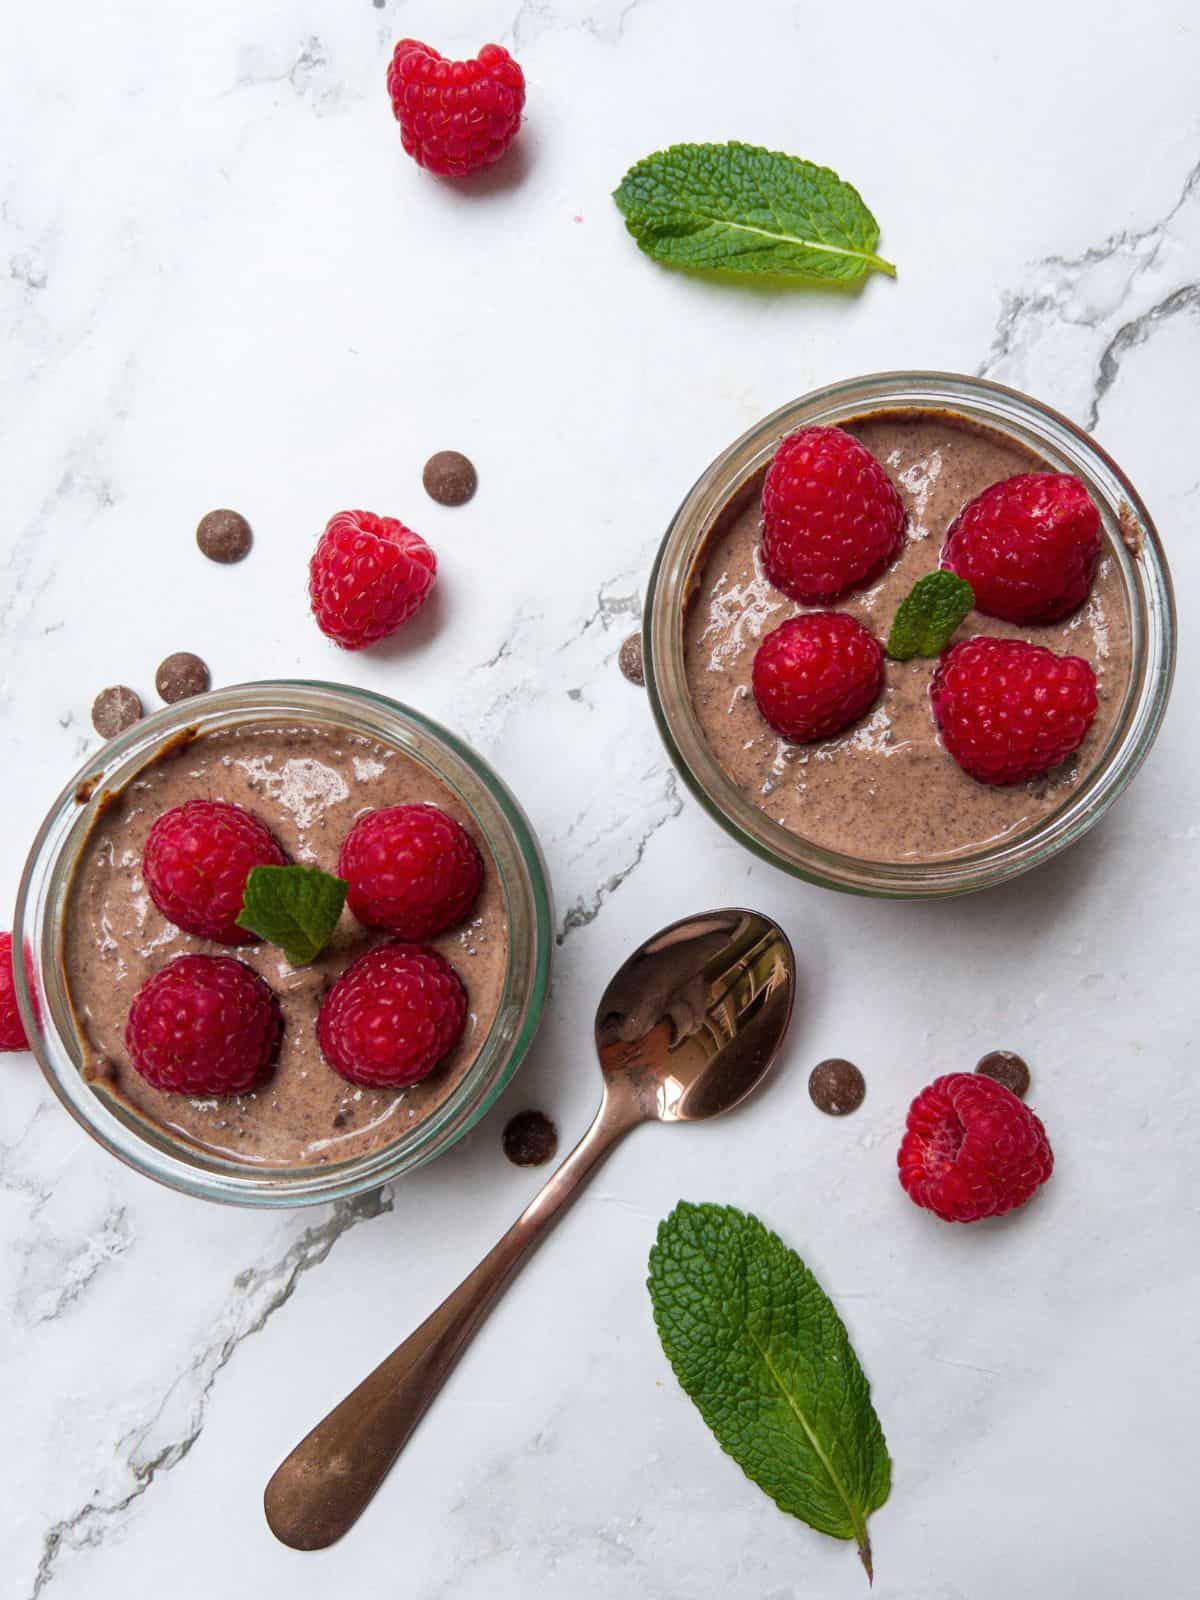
(225, 284)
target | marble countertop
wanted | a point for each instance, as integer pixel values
(225, 284)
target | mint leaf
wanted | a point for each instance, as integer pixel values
(296, 908)
(761, 1351)
(735, 208)
(935, 606)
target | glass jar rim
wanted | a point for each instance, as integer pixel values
(44, 1002)
(1148, 590)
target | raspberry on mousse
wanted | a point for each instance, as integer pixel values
(392, 1016)
(203, 1026)
(411, 869)
(196, 862)
(815, 674)
(1029, 547)
(1007, 710)
(831, 517)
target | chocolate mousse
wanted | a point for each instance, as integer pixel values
(308, 784)
(885, 789)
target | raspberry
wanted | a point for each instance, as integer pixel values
(1028, 546)
(455, 116)
(832, 519)
(203, 1025)
(368, 575)
(410, 869)
(814, 674)
(1009, 710)
(971, 1149)
(12, 1029)
(392, 1016)
(196, 863)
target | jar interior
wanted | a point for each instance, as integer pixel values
(56, 859)
(730, 485)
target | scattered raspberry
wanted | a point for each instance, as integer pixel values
(411, 869)
(12, 1029)
(1009, 710)
(971, 1149)
(368, 575)
(832, 519)
(196, 863)
(203, 1025)
(813, 675)
(455, 116)
(392, 1016)
(1028, 546)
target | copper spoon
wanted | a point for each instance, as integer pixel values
(685, 1030)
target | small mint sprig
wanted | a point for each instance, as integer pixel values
(734, 209)
(927, 619)
(296, 908)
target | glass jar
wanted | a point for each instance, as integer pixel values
(1131, 540)
(41, 908)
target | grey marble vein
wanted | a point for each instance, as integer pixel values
(312, 75)
(163, 1439)
(606, 23)
(1070, 328)
(609, 609)
(58, 1270)
(1135, 332)
(585, 911)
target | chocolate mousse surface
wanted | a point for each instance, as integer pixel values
(308, 784)
(885, 790)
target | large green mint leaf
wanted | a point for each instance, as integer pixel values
(758, 1346)
(296, 908)
(929, 615)
(736, 208)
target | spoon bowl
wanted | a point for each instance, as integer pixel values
(694, 1018)
(687, 1028)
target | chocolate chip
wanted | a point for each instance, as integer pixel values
(181, 675)
(114, 710)
(224, 536)
(530, 1139)
(836, 1087)
(630, 659)
(1007, 1068)
(449, 478)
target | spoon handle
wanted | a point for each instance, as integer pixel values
(324, 1485)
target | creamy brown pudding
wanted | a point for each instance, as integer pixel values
(308, 784)
(885, 790)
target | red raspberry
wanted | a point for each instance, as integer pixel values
(12, 1029)
(832, 519)
(455, 116)
(203, 1025)
(392, 1016)
(1009, 710)
(410, 869)
(368, 575)
(196, 863)
(1028, 546)
(971, 1149)
(813, 675)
